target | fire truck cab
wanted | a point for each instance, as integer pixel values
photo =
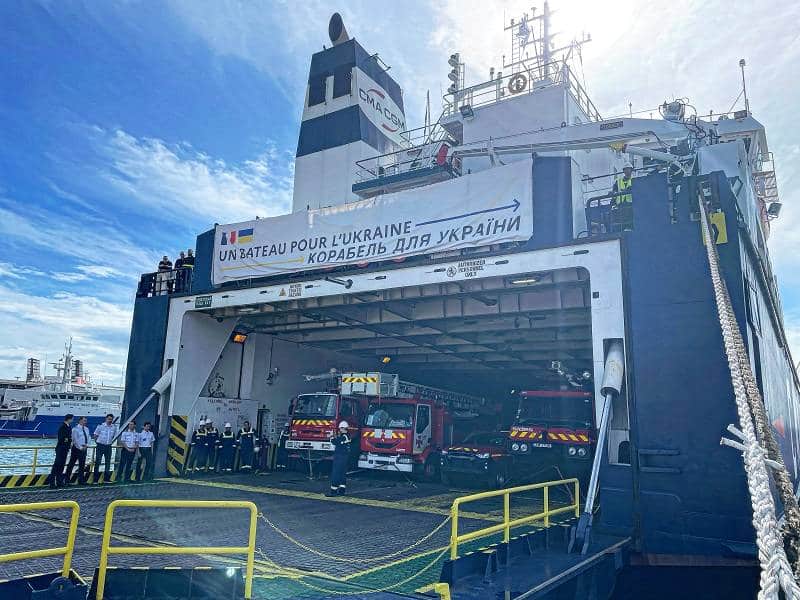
(405, 430)
(315, 417)
(552, 430)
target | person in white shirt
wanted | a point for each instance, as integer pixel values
(129, 440)
(77, 453)
(104, 435)
(146, 439)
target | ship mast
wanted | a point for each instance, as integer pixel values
(532, 47)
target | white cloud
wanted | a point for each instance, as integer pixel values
(12, 271)
(181, 183)
(91, 241)
(39, 325)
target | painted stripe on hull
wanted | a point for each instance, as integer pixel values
(41, 427)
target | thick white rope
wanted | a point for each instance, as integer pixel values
(776, 572)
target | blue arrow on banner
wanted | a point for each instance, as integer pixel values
(514, 205)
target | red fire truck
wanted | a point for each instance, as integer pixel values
(552, 429)
(407, 426)
(315, 417)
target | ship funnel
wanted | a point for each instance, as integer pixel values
(336, 30)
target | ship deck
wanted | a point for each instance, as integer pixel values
(380, 516)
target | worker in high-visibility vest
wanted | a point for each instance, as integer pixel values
(248, 442)
(226, 449)
(198, 449)
(621, 203)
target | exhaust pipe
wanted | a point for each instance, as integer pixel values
(336, 30)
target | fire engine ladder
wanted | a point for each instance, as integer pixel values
(760, 451)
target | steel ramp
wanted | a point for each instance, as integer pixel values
(537, 565)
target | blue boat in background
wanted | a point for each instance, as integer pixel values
(38, 410)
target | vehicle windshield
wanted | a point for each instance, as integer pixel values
(315, 405)
(543, 410)
(388, 416)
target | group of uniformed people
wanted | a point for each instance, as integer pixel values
(212, 451)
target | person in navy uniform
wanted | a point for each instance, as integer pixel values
(146, 440)
(226, 449)
(212, 437)
(247, 443)
(341, 456)
(198, 448)
(63, 443)
(77, 453)
(129, 444)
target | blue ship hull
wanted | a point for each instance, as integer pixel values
(41, 427)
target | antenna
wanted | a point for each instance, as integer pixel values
(742, 65)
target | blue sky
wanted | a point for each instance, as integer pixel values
(128, 127)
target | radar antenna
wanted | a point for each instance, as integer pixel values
(533, 47)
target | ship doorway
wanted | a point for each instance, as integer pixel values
(490, 337)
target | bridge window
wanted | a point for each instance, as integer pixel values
(316, 90)
(342, 77)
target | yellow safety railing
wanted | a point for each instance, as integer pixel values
(107, 548)
(65, 551)
(35, 464)
(509, 523)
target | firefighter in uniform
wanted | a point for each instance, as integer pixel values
(226, 449)
(212, 437)
(197, 449)
(622, 204)
(247, 443)
(341, 456)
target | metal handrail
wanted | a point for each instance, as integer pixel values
(65, 551)
(36, 464)
(539, 77)
(509, 523)
(107, 549)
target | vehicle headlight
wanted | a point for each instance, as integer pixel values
(444, 452)
(515, 446)
(404, 460)
(328, 433)
(362, 456)
(483, 455)
(582, 452)
(572, 451)
(523, 447)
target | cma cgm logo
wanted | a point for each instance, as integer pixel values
(242, 236)
(376, 100)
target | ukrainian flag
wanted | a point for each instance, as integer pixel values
(245, 235)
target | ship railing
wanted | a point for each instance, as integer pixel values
(426, 149)
(107, 549)
(526, 80)
(163, 283)
(65, 551)
(508, 522)
(36, 467)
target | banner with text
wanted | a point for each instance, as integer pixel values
(490, 207)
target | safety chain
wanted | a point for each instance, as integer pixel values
(299, 578)
(372, 559)
(776, 572)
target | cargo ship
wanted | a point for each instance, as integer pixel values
(520, 246)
